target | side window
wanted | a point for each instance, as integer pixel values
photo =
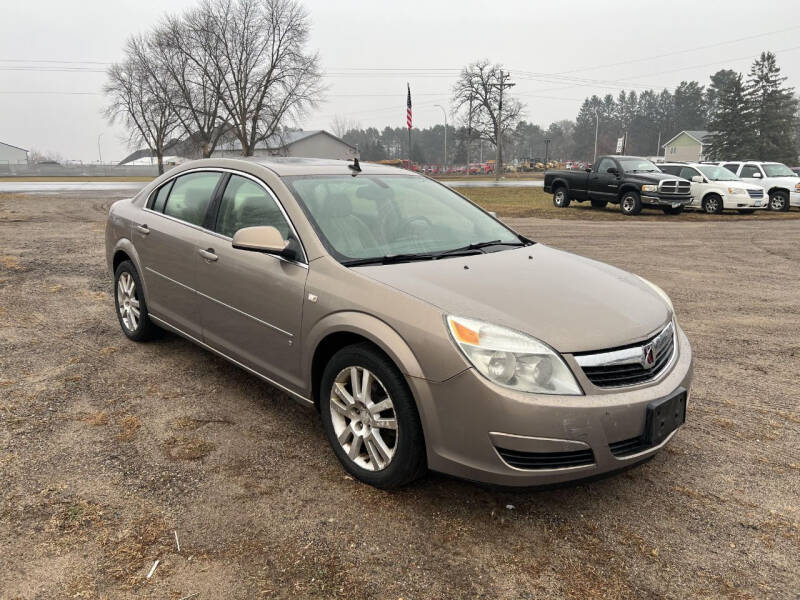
(670, 169)
(688, 173)
(247, 204)
(190, 196)
(605, 165)
(732, 167)
(160, 197)
(749, 171)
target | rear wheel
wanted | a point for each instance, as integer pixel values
(599, 203)
(370, 418)
(672, 210)
(131, 305)
(560, 197)
(630, 204)
(779, 201)
(712, 204)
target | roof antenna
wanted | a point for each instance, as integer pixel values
(355, 167)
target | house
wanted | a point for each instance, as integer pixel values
(688, 146)
(12, 155)
(308, 144)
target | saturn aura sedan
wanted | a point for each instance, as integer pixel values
(425, 332)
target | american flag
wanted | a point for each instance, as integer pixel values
(408, 107)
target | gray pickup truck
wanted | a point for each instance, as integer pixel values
(629, 181)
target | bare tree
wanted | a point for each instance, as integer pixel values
(477, 100)
(342, 125)
(137, 100)
(267, 77)
(183, 51)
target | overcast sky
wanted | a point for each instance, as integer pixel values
(557, 52)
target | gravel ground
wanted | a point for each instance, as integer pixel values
(109, 449)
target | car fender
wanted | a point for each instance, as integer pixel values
(628, 187)
(126, 246)
(375, 330)
(559, 182)
(777, 188)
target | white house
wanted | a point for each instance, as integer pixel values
(689, 146)
(12, 154)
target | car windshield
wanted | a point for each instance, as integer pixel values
(386, 217)
(714, 173)
(637, 165)
(778, 170)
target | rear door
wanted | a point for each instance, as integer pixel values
(698, 189)
(602, 184)
(166, 241)
(251, 303)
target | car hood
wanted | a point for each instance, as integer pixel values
(649, 177)
(738, 184)
(572, 303)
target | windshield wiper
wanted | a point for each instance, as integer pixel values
(477, 246)
(388, 259)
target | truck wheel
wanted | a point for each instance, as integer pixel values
(630, 204)
(712, 204)
(672, 210)
(599, 203)
(560, 198)
(779, 201)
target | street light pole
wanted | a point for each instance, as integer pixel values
(596, 130)
(98, 148)
(444, 113)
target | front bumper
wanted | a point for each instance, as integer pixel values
(466, 418)
(738, 201)
(666, 199)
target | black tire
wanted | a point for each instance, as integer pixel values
(560, 197)
(746, 211)
(779, 201)
(144, 329)
(599, 203)
(712, 204)
(409, 460)
(630, 203)
(672, 210)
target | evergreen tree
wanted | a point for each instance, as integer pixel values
(774, 111)
(690, 106)
(730, 121)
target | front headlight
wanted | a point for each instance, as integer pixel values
(511, 358)
(797, 187)
(649, 188)
(660, 292)
(737, 191)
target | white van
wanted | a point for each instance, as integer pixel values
(715, 188)
(779, 181)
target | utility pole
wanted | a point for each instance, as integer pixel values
(444, 112)
(596, 130)
(498, 160)
(546, 152)
(658, 146)
(98, 148)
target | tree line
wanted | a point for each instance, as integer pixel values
(227, 68)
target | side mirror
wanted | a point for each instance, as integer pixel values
(757, 175)
(697, 179)
(265, 239)
(612, 170)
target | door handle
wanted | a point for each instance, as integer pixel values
(207, 254)
(143, 229)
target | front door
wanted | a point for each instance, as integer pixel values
(166, 241)
(251, 303)
(602, 184)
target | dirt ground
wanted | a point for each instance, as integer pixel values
(110, 449)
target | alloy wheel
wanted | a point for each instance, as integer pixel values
(364, 418)
(628, 203)
(128, 301)
(712, 205)
(777, 202)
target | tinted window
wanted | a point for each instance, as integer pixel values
(605, 165)
(247, 204)
(732, 167)
(688, 173)
(670, 169)
(160, 197)
(749, 171)
(190, 196)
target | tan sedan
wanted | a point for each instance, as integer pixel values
(425, 332)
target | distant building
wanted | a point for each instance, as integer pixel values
(688, 146)
(308, 144)
(12, 154)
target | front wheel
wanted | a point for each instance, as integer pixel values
(779, 201)
(131, 305)
(560, 198)
(630, 204)
(712, 204)
(370, 418)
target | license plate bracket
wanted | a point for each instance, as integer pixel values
(664, 416)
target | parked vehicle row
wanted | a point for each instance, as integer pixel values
(635, 183)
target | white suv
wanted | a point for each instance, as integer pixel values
(780, 182)
(715, 188)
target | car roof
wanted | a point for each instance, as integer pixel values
(287, 166)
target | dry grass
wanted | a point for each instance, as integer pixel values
(188, 448)
(534, 202)
(11, 263)
(128, 426)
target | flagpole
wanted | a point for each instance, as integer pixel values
(408, 123)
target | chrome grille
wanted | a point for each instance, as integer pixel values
(673, 186)
(759, 193)
(630, 365)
